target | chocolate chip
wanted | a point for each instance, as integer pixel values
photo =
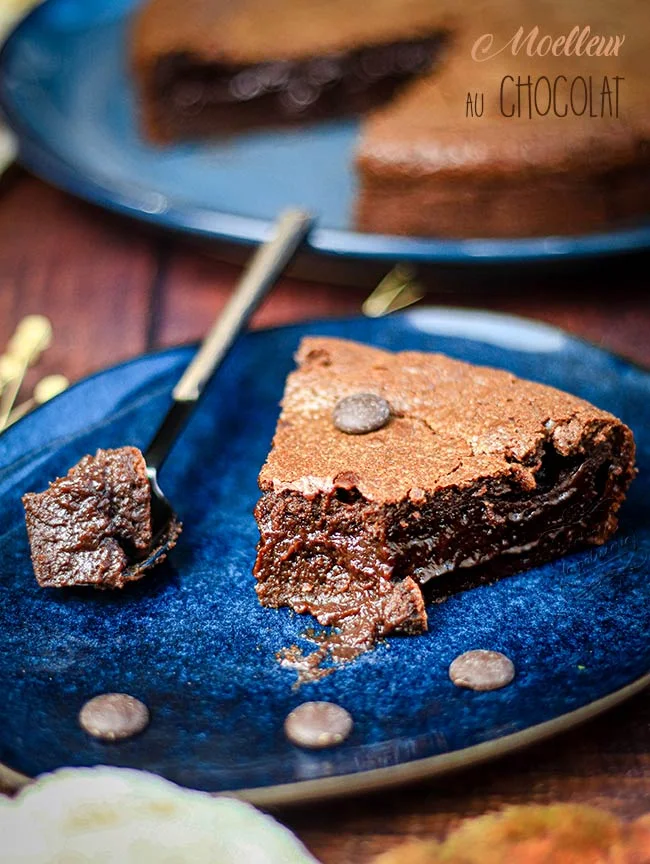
(361, 413)
(113, 716)
(318, 724)
(482, 670)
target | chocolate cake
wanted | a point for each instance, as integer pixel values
(90, 526)
(195, 61)
(471, 468)
(529, 164)
(552, 142)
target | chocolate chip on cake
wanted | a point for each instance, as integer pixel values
(361, 413)
(318, 724)
(482, 670)
(469, 477)
(114, 716)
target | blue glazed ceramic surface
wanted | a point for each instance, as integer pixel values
(66, 90)
(192, 641)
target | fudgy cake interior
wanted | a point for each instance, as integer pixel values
(194, 98)
(217, 66)
(475, 469)
(87, 528)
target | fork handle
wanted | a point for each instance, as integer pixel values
(265, 267)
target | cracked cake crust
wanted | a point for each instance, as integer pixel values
(476, 468)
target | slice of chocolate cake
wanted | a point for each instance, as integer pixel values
(195, 62)
(88, 527)
(389, 470)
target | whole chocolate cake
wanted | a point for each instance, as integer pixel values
(390, 470)
(521, 125)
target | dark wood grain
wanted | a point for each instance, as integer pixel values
(604, 763)
(197, 287)
(114, 289)
(90, 276)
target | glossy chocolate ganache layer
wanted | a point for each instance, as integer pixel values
(475, 472)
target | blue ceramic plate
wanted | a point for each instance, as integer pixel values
(65, 89)
(192, 641)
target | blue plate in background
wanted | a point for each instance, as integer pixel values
(66, 91)
(192, 641)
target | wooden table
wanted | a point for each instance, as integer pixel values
(114, 290)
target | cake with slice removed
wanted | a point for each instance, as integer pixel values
(553, 141)
(390, 469)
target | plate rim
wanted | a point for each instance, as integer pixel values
(393, 776)
(41, 158)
